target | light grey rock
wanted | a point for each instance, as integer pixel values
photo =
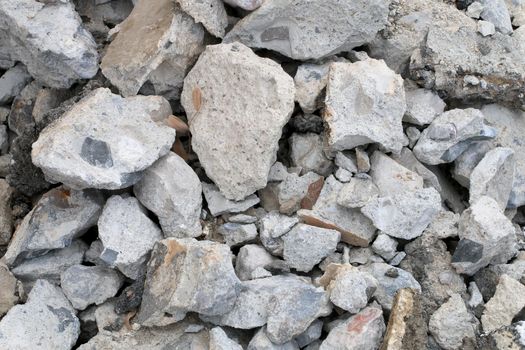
(106, 317)
(12, 82)
(313, 29)
(404, 215)
(311, 334)
(506, 303)
(92, 255)
(452, 324)
(9, 294)
(211, 13)
(467, 161)
(242, 219)
(497, 13)
(105, 141)
(6, 215)
(50, 40)
(362, 256)
(249, 5)
(218, 204)
(392, 178)
(397, 259)
(237, 234)
(86, 285)
(260, 341)
(278, 172)
(171, 189)
(250, 99)
(413, 135)
(474, 10)
(251, 261)
(444, 225)
(343, 175)
(310, 81)
(385, 246)
(494, 176)
(517, 12)
(47, 320)
(362, 331)
(186, 275)
(293, 190)
(431, 177)
(60, 216)
(486, 28)
(362, 160)
(272, 227)
(486, 237)
(365, 103)
(423, 106)
(347, 161)
(127, 234)
(476, 298)
(219, 340)
(306, 151)
(163, 55)
(358, 192)
(305, 246)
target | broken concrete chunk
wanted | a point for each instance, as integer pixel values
(104, 141)
(211, 13)
(497, 13)
(278, 172)
(237, 234)
(250, 260)
(484, 28)
(311, 30)
(347, 161)
(127, 234)
(9, 293)
(486, 237)
(86, 285)
(310, 80)
(272, 227)
(306, 151)
(171, 189)
(358, 192)
(6, 215)
(365, 103)
(467, 161)
(186, 275)
(311, 334)
(218, 204)
(423, 106)
(219, 340)
(60, 216)
(12, 83)
(385, 246)
(50, 40)
(517, 12)
(391, 177)
(294, 189)
(261, 341)
(444, 225)
(250, 99)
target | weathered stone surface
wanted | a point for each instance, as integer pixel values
(60, 216)
(452, 324)
(127, 234)
(250, 99)
(104, 141)
(218, 204)
(50, 40)
(305, 246)
(404, 215)
(467, 161)
(219, 340)
(86, 285)
(365, 103)
(496, 12)
(362, 331)
(6, 216)
(413, 135)
(171, 189)
(294, 189)
(251, 262)
(506, 303)
(311, 334)
(165, 52)
(313, 29)
(9, 293)
(486, 237)
(423, 106)
(211, 13)
(357, 192)
(310, 80)
(346, 160)
(261, 341)
(272, 226)
(510, 337)
(494, 176)
(385, 246)
(392, 178)
(450, 134)
(46, 320)
(484, 28)
(306, 151)
(237, 234)
(12, 82)
(188, 275)
(517, 12)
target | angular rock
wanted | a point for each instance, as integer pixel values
(104, 141)
(127, 234)
(497, 13)
(211, 13)
(60, 216)
(517, 12)
(272, 227)
(310, 80)
(171, 189)
(218, 204)
(365, 103)
(50, 40)
(413, 135)
(294, 190)
(392, 178)
(186, 275)
(357, 192)
(306, 151)
(450, 134)
(46, 319)
(486, 237)
(219, 340)
(346, 160)
(6, 216)
(423, 106)
(467, 161)
(9, 294)
(261, 341)
(385, 246)
(311, 30)
(311, 334)
(12, 83)
(250, 260)
(485, 28)
(343, 175)
(237, 234)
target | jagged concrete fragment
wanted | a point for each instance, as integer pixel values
(346, 160)
(163, 53)
(105, 141)
(484, 28)
(310, 80)
(450, 134)
(251, 260)
(311, 334)
(171, 189)
(365, 103)
(313, 29)
(127, 235)
(261, 341)
(385, 246)
(467, 161)
(188, 275)
(357, 192)
(506, 303)
(237, 234)
(272, 226)
(49, 39)
(211, 13)
(9, 293)
(306, 151)
(12, 82)
(219, 340)
(392, 178)
(218, 204)
(249, 99)
(86, 285)
(497, 13)
(46, 319)
(60, 216)
(404, 215)
(294, 189)
(494, 176)
(517, 12)
(423, 106)
(486, 237)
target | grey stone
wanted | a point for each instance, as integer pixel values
(188, 275)
(46, 319)
(261, 341)
(92, 255)
(474, 10)
(431, 176)
(211, 13)
(486, 28)
(444, 225)
(250, 260)
(346, 160)
(476, 299)
(242, 219)
(362, 159)
(517, 12)
(311, 334)
(385, 246)
(272, 227)
(343, 175)
(106, 317)
(362, 256)
(50, 40)
(305, 246)
(306, 151)
(104, 141)
(310, 30)
(278, 172)
(398, 258)
(496, 12)
(249, 5)
(423, 106)
(486, 237)
(86, 285)
(171, 189)
(310, 81)
(60, 216)
(467, 161)
(392, 178)
(413, 135)
(127, 234)
(219, 340)
(4, 139)
(293, 190)
(218, 204)
(365, 103)
(307, 123)
(12, 82)
(6, 216)
(9, 294)
(237, 234)
(357, 193)
(100, 15)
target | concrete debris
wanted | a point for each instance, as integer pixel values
(6, 213)
(497, 13)
(237, 234)
(385, 246)
(392, 178)
(423, 106)
(310, 81)
(219, 340)
(261, 341)
(211, 13)
(293, 191)
(218, 204)
(12, 82)
(252, 261)
(306, 151)
(468, 160)
(357, 192)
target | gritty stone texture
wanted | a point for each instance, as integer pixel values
(486, 28)
(385, 246)
(272, 226)
(12, 82)
(392, 178)
(127, 235)
(306, 151)
(365, 103)
(219, 340)
(293, 191)
(250, 260)
(313, 29)
(357, 192)
(423, 106)
(237, 234)
(211, 13)
(218, 204)
(171, 189)
(9, 295)
(497, 13)
(310, 81)
(468, 160)
(6, 216)
(104, 141)
(311, 334)
(261, 341)
(49, 39)
(250, 110)
(346, 160)
(506, 303)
